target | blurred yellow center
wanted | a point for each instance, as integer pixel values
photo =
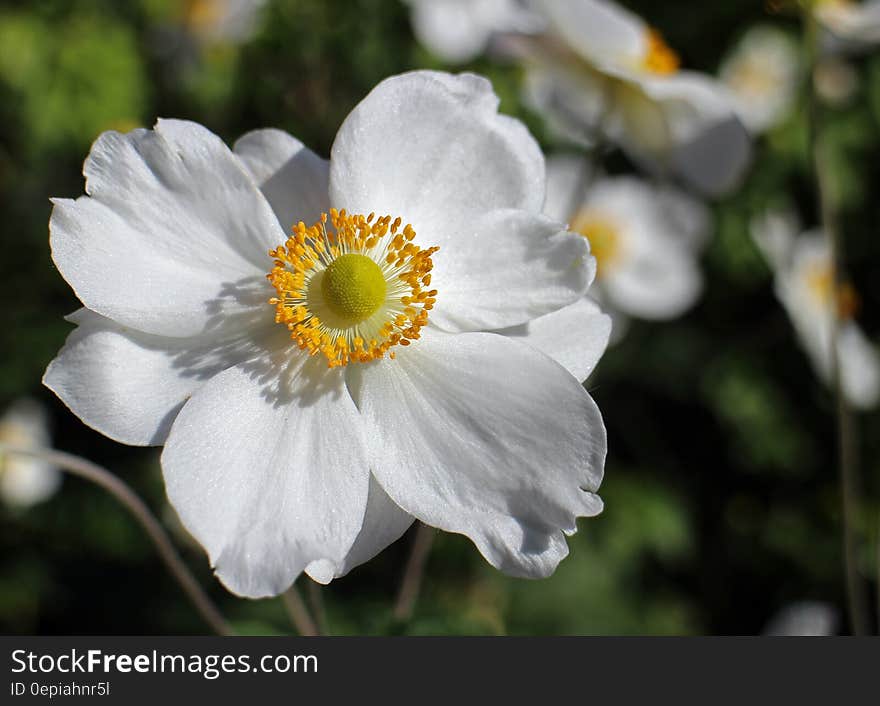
(352, 287)
(604, 237)
(820, 282)
(659, 58)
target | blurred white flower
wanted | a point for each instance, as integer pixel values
(805, 287)
(645, 238)
(803, 619)
(383, 395)
(221, 21)
(602, 69)
(762, 75)
(26, 481)
(850, 25)
(459, 30)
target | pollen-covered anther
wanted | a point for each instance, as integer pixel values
(841, 296)
(603, 234)
(351, 287)
(659, 58)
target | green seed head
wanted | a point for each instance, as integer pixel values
(353, 287)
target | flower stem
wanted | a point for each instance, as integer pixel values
(847, 443)
(316, 602)
(298, 613)
(132, 502)
(412, 576)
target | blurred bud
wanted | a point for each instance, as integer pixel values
(804, 618)
(835, 80)
(26, 481)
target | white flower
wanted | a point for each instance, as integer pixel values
(279, 461)
(762, 75)
(850, 25)
(459, 30)
(610, 72)
(26, 481)
(645, 239)
(803, 618)
(805, 286)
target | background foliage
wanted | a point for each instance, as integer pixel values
(721, 489)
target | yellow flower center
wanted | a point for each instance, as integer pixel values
(604, 237)
(820, 282)
(659, 58)
(353, 288)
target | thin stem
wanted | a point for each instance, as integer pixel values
(847, 443)
(412, 576)
(299, 613)
(131, 501)
(316, 602)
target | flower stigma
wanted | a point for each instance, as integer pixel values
(659, 58)
(352, 287)
(604, 238)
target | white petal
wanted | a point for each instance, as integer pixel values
(459, 30)
(774, 232)
(600, 31)
(852, 26)
(510, 267)
(293, 179)
(384, 523)
(860, 367)
(130, 385)
(575, 336)
(660, 283)
(688, 219)
(572, 102)
(479, 434)
(620, 323)
(568, 177)
(431, 148)
(266, 466)
(451, 29)
(171, 221)
(711, 147)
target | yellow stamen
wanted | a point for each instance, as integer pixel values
(352, 289)
(820, 281)
(659, 58)
(604, 237)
